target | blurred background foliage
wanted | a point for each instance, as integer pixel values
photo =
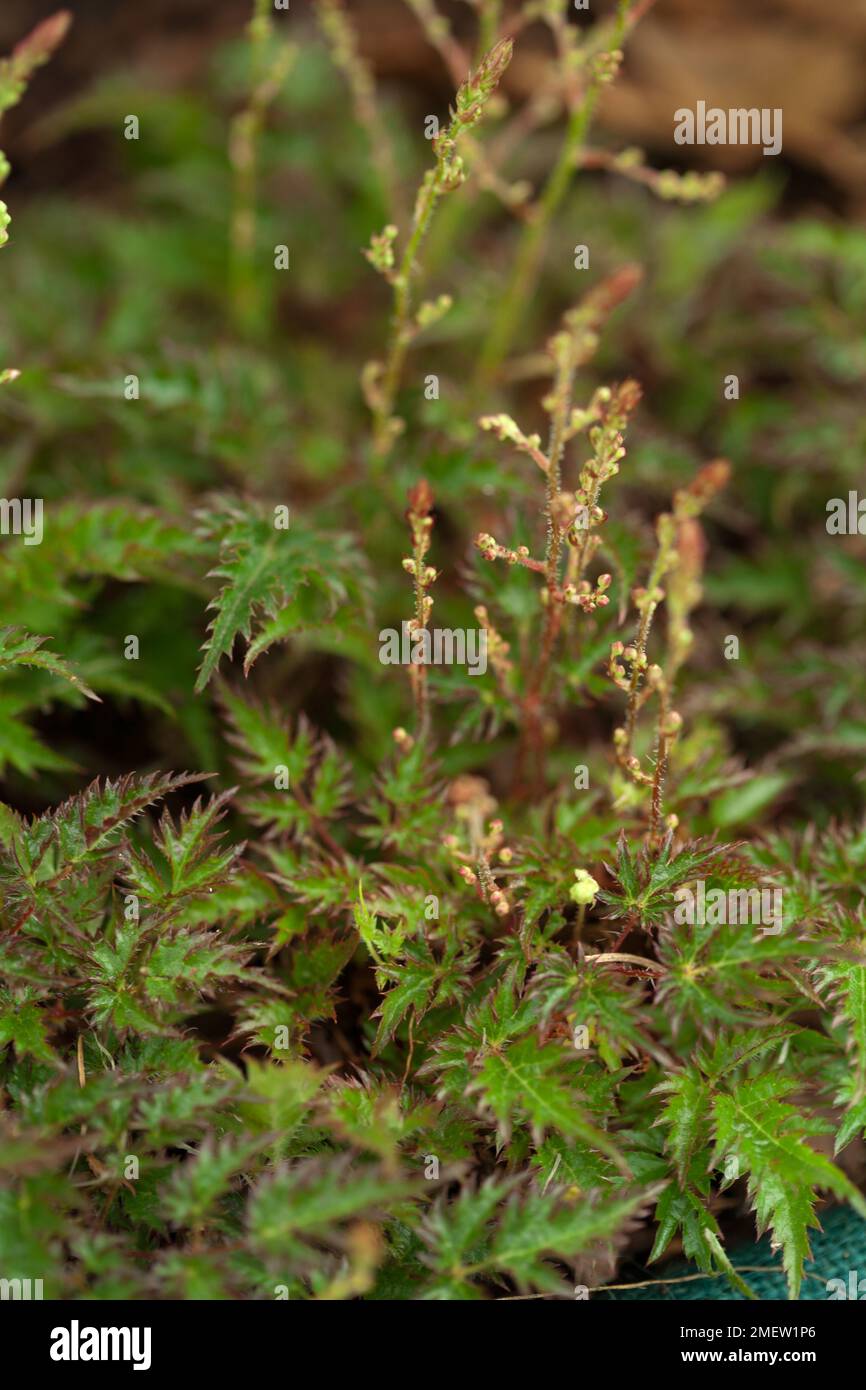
(120, 263)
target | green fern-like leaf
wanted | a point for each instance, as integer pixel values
(265, 570)
(21, 648)
(767, 1138)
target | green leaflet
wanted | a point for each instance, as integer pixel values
(496, 1231)
(766, 1138)
(542, 1085)
(265, 566)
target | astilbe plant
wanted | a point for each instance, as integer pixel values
(427, 1025)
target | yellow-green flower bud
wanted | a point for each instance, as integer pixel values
(584, 888)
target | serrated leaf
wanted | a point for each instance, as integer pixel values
(686, 1117)
(21, 648)
(264, 569)
(23, 1024)
(766, 1138)
(311, 1201)
(540, 1082)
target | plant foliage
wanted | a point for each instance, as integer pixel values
(325, 977)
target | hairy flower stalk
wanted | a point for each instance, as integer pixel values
(15, 73)
(570, 516)
(487, 854)
(497, 652)
(343, 41)
(669, 185)
(568, 349)
(679, 555)
(599, 68)
(269, 70)
(646, 599)
(381, 381)
(439, 35)
(423, 575)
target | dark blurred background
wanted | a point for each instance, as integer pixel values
(807, 57)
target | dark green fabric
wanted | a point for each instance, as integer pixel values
(836, 1250)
